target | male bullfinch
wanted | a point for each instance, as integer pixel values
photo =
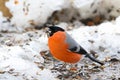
(64, 48)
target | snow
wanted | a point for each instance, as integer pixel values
(25, 14)
(21, 62)
(22, 58)
(109, 39)
(90, 8)
(4, 24)
(29, 13)
(23, 53)
(44, 75)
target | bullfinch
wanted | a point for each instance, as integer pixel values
(64, 48)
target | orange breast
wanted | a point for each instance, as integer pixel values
(59, 48)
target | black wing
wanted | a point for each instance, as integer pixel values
(79, 50)
(75, 47)
(82, 51)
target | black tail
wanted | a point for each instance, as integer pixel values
(93, 59)
(82, 51)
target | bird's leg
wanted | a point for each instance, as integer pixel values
(63, 66)
(73, 67)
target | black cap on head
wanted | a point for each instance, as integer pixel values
(53, 29)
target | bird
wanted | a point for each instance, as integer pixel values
(64, 48)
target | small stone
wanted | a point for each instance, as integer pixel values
(114, 60)
(2, 72)
(91, 41)
(101, 48)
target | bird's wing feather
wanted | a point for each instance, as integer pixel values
(73, 45)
